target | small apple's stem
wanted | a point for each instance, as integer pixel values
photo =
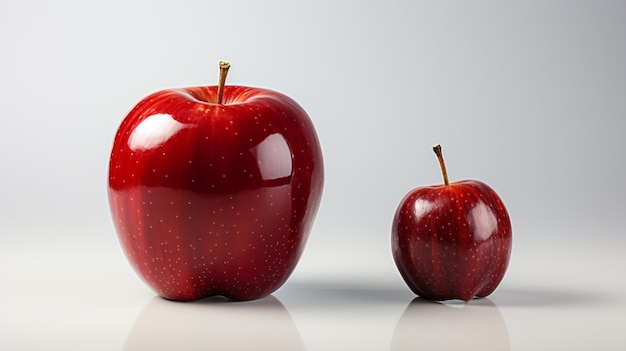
(437, 150)
(224, 66)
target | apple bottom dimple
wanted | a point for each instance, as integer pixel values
(450, 275)
(205, 285)
(210, 279)
(188, 246)
(445, 278)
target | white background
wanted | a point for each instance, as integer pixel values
(529, 97)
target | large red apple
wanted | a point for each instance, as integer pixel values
(213, 190)
(452, 241)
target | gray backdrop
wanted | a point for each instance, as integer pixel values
(527, 96)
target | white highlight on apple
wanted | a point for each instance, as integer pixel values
(484, 220)
(274, 157)
(421, 207)
(154, 131)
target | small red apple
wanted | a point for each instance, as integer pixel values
(452, 241)
(213, 190)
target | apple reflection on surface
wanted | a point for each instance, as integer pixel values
(214, 324)
(430, 325)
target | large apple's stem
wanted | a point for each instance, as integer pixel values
(224, 66)
(437, 150)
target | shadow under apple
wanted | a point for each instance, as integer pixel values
(517, 296)
(430, 325)
(214, 323)
(335, 295)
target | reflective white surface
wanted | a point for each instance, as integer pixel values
(82, 295)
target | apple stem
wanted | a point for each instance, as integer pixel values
(224, 66)
(437, 150)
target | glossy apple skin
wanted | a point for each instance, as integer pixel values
(452, 241)
(215, 199)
